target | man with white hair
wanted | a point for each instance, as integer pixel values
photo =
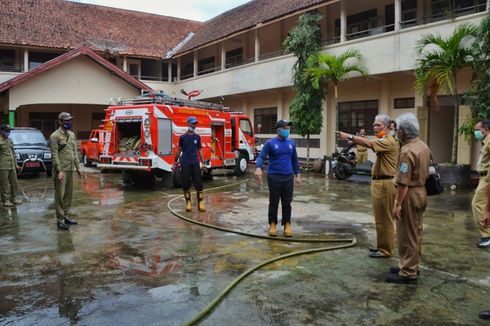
(382, 186)
(410, 200)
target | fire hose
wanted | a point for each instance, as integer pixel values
(210, 307)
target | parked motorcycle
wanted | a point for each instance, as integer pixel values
(344, 162)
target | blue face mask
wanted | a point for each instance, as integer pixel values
(284, 133)
(67, 125)
(5, 134)
(478, 134)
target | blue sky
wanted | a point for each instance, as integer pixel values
(200, 10)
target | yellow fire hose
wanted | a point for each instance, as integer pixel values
(349, 243)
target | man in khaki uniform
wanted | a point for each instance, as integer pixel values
(410, 200)
(65, 161)
(8, 169)
(382, 184)
(481, 132)
(361, 152)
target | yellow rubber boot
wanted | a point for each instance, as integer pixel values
(288, 232)
(188, 204)
(272, 229)
(200, 201)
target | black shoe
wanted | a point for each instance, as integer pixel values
(483, 243)
(372, 249)
(485, 314)
(62, 226)
(377, 254)
(397, 279)
(396, 270)
(68, 221)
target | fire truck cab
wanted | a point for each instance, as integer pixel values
(142, 136)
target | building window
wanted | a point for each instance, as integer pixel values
(205, 66)
(353, 116)
(165, 71)
(174, 72)
(265, 120)
(404, 103)
(47, 122)
(38, 58)
(7, 61)
(234, 58)
(150, 69)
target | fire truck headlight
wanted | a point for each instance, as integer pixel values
(147, 133)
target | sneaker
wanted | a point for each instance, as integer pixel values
(483, 242)
(70, 221)
(62, 226)
(7, 203)
(396, 270)
(397, 279)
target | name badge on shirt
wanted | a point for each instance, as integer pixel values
(404, 168)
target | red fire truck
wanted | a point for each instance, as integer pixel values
(142, 136)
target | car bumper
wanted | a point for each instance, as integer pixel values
(30, 166)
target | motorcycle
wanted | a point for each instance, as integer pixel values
(344, 162)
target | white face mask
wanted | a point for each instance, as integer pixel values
(191, 128)
(392, 133)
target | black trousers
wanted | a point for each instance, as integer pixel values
(191, 172)
(280, 188)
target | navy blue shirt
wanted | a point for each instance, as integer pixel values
(189, 145)
(283, 158)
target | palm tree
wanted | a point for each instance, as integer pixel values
(441, 58)
(325, 68)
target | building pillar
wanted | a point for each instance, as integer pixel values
(125, 64)
(421, 10)
(257, 45)
(195, 64)
(384, 98)
(223, 56)
(280, 110)
(179, 69)
(26, 60)
(12, 119)
(343, 22)
(398, 15)
(169, 68)
(464, 145)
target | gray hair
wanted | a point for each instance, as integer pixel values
(409, 124)
(384, 119)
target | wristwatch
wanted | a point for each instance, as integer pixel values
(351, 137)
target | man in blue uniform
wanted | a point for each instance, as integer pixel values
(282, 171)
(190, 164)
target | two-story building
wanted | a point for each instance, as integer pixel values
(57, 55)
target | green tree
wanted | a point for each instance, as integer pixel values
(303, 41)
(478, 97)
(326, 68)
(441, 58)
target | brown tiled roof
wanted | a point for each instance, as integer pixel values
(69, 25)
(244, 17)
(85, 51)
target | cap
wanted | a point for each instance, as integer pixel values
(282, 123)
(192, 120)
(64, 116)
(5, 127)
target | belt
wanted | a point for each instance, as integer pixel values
(382, 177)
(362, 150)
(482, 174)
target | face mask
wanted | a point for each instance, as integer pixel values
(381, 134)
(478, 134)
(67, 124)
(191, 129)
(5, 134)
(284, 133)
(392, 133)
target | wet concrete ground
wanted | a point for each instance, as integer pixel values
(131, 262)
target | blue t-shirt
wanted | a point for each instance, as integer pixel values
(189, 145)
(283, 158)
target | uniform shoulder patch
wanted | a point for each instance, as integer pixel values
(404, 167)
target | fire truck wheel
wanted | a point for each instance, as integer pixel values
(86, 161)
(241, 164)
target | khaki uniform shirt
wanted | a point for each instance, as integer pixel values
(413, 168)
(387, 151)
(484, 162)
(361, 148)
(7, 154)
(64, 151)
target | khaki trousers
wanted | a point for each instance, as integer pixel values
(8, 178)
(361, 157)
(478, 205)
(383, 199)
(63, 194)
(409, 231)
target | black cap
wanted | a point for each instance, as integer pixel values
(282, 123)
(5, 127)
